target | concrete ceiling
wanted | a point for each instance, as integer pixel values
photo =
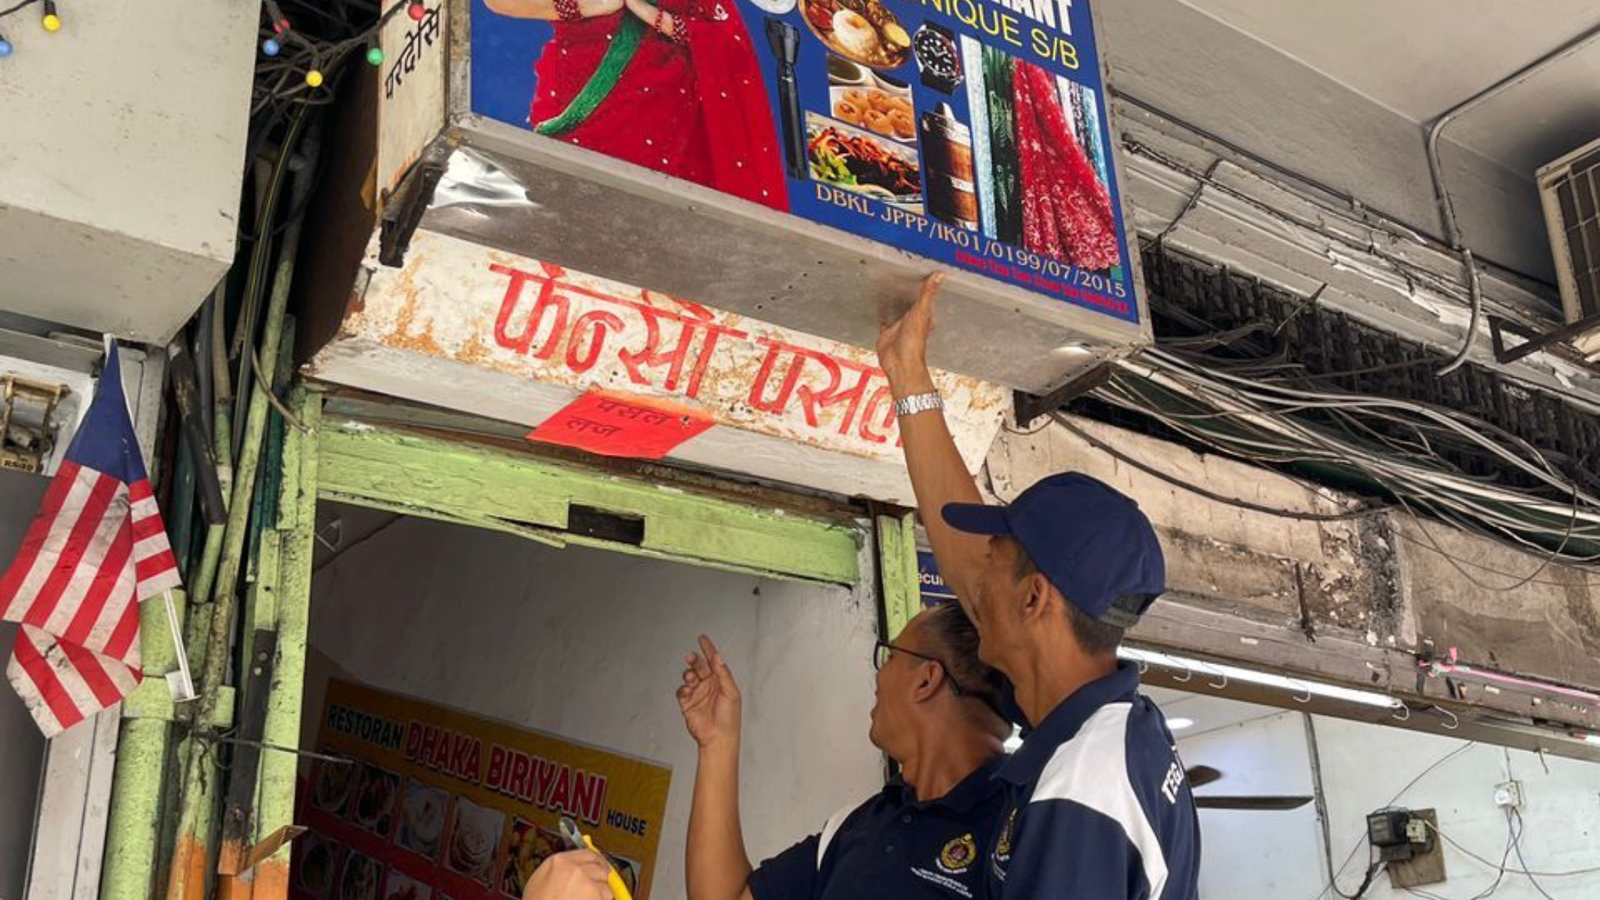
(1422, 57)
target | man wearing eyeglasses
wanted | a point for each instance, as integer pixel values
(1097, 803)
(925, 835)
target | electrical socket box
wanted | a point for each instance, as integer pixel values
(1421, 857)
(1508, 794)
(1386, 829)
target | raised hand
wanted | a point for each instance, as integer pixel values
(903, 344)
(709, 697)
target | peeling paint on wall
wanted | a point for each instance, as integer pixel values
(474, 329)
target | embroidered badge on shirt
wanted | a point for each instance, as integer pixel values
(957, 855)
(1002, 846)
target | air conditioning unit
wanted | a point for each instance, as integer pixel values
(1569, 189)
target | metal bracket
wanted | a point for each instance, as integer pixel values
(238, 808)
(400, 219)
(1533, 342)
(152, 699)
(24, 446)
(1031, 406)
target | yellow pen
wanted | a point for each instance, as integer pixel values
(579, 840)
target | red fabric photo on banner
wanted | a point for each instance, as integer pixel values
(626, 425)
(674, 87)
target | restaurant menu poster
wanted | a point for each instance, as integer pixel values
(969, 132)
(413, 801)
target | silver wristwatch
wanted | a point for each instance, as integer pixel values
(917, 403)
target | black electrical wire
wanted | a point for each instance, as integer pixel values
(1516, 843)
(1501, 869)
(1333, 875)
(1366, 882)
(1403, 456)
(1238, 351)
(1208, 494)
(17, 8)
(1573, 873)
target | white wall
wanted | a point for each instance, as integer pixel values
(1280, 855)
(1257, 854)
(589, 644)
(1364, 765)
(21, 745)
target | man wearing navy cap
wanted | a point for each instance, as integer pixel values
(1098, 804)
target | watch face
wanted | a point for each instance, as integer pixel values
(937, 54)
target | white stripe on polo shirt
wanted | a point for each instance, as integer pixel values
(1092, 770)
(835, 822)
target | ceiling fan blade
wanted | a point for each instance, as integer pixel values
(1256, 803)
(1200, 776)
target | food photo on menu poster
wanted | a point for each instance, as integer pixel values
(408, 800)
(969, 132)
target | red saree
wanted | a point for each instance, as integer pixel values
(696, 110)
(1066, 211)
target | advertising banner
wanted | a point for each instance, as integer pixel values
(969, 132)
(931, 584)
(437, 804)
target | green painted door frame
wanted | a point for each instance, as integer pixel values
(518, 492)
(458, 480)
(899, 589)
(533, 496)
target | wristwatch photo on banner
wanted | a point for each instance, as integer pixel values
(938, 61)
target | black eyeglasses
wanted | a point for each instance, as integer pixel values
(882, 650)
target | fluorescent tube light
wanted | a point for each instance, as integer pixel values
(1212, 671)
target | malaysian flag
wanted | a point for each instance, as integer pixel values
(96, 549)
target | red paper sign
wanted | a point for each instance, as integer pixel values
(612, 424)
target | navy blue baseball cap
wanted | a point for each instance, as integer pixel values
(1088, 538)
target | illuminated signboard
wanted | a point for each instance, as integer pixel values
(969, 132)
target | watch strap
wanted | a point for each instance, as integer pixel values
(918, 403)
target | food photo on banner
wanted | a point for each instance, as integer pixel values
(412, 801)
(969, 132)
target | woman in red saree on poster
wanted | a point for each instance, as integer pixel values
(1066, 211)
(674, 87)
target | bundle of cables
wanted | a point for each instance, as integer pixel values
(304, 46)
(1381, 446)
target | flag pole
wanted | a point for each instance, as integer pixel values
(183, 686)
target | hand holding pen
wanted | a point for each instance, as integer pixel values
(574, 875)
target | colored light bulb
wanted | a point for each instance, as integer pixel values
(271, 47)
(51, 20)
(374, 55)
(416, 11)
(314, 78)
(5, 48)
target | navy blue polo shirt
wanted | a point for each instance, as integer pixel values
(894, 846)
(1097, 804)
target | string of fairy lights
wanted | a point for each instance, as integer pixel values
(49, 20)
(319, 56)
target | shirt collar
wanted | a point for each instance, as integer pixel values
(1063, 722)
(970, 791)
